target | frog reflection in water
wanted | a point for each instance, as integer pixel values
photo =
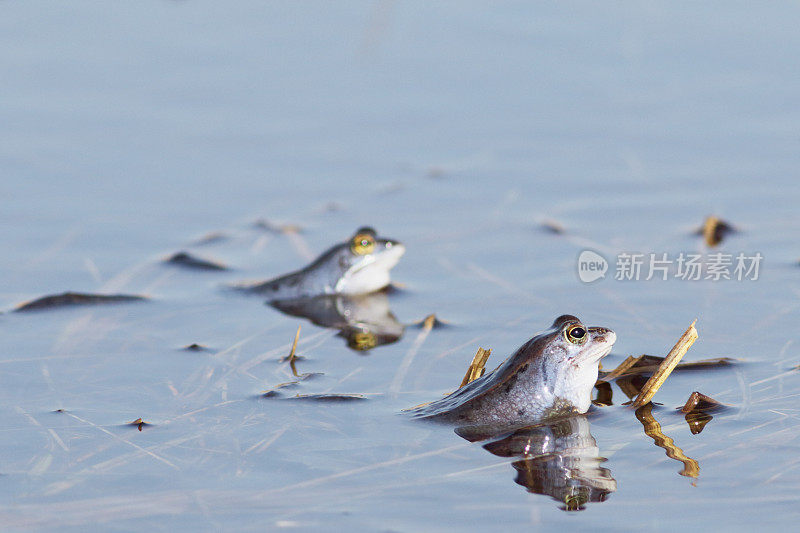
(359, 265)
(549, 376)
(558, 458)
(365, 321)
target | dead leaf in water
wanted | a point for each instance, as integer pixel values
(714, 230)
(138, 423)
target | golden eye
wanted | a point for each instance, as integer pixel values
(363, 244)
(576, 334)
(363, 341)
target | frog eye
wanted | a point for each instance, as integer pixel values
(576, 334)
(362, 244)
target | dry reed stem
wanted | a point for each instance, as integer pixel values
(667, 366)
(477, 367)
(292, 357)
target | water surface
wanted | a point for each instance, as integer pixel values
(129, 132)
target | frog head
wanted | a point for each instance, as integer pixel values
(365, 260)
(570, 356)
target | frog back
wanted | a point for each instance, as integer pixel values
(491, 388)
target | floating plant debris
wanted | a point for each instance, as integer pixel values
(667, 366)
(329, 397)
(647, 364)
(714, 230)
(552, 226)
(477, 366)
(430, 322)
(697, 409)
(70, 299)
(275, 391)
(700, 402)
(194, 347)
(210, 238)
(274, 227)
(188, 260)
(138, 423)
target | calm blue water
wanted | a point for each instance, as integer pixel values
(127, 132)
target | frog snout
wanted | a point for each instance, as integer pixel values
(604, 335)
(394, 250)
(396, 245)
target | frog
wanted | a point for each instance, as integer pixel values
(550, 376)
(359, 265)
